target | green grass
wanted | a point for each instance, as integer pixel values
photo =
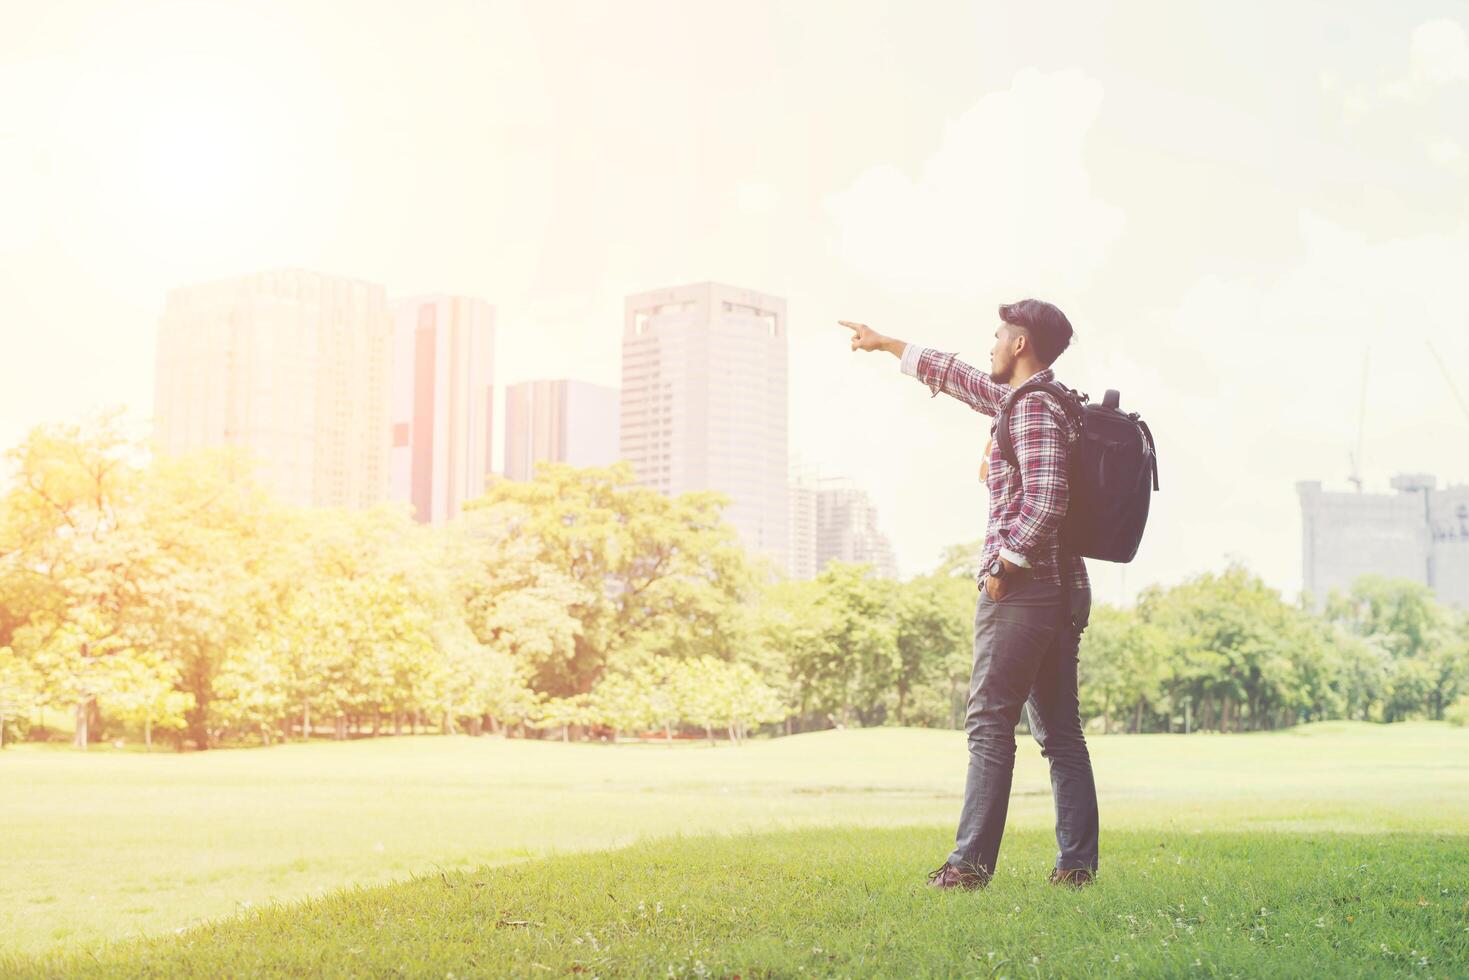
(849, 902)
(425, 855)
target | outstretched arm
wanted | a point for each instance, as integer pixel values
(941, 371)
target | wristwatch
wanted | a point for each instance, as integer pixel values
(997, 569)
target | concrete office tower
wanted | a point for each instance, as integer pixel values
(803, 563)
(1419, 533)
(704, 402)
(292, 365)
(443, 402)
(846, 528)
(564, 421)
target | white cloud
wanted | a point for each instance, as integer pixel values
(1440, 52)
(756, 197)
(1444, 152)
(1003, 202)
(1438, 55)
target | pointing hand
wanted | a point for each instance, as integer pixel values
(864, 337)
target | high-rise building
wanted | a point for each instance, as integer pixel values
(846, 528)
(443, 402)
(1418, 532)
(803, 510)
(704, 402)
(290, 364)
(561, 421)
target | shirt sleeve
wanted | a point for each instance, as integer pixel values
(1041, 449)
(944, 372)
(909, 363)
(1015, 556)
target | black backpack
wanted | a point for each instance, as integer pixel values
(1112, 473)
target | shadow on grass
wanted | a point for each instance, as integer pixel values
(852, 902)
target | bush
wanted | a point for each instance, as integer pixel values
(1458, 712)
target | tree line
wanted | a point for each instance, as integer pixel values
(172, 598)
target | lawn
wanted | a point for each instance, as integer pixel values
(1332, 848)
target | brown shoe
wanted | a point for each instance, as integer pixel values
(1075, 877)
(948, 876)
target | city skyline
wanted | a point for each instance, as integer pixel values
(717, 352)
(1323, 503)
(1262, 199)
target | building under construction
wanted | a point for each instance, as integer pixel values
(1417, 532)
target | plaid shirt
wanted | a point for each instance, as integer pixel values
(1026, 504)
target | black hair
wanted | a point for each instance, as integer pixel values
(1050, 331)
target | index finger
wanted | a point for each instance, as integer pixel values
(851, 326)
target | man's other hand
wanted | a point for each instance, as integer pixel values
(998, 588)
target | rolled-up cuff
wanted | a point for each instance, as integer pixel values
(1015, 557)
(909, 364)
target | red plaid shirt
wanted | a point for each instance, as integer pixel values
(1028, 503)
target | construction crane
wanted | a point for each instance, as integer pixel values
(1355, 456)
(1448, 378)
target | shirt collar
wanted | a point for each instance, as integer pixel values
(1042, 376)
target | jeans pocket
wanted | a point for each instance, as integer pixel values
(1014, 588)
(1004, 596)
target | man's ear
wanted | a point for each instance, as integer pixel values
(1020, 342)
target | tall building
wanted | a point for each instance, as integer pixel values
(290, 364)
(1419, 532)
(846, 528)
(803, 511)
(443, 402)
(563, 421)
(704, 402)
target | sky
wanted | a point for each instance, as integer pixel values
(1244, 209)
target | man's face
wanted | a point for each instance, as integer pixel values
(1002, 356)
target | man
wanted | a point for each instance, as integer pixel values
(1025, 650)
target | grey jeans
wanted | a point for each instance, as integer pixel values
(1022, 655)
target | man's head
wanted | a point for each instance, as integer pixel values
(1032, 334)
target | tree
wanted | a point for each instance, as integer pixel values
(650, 571)
(251, 691)
(1231, 641)
(847, 670)
(78, 561)
(745, 701)
(366, 632)
(563, 713)
(513, 600)
(224, 569)
(147, 695)
(20, 691)
(934, 645)
(620, 701)
(1426, 644)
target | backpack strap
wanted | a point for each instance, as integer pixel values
(1152, 450)
(1063, 572)
(1071, 404)
(1002, 422)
